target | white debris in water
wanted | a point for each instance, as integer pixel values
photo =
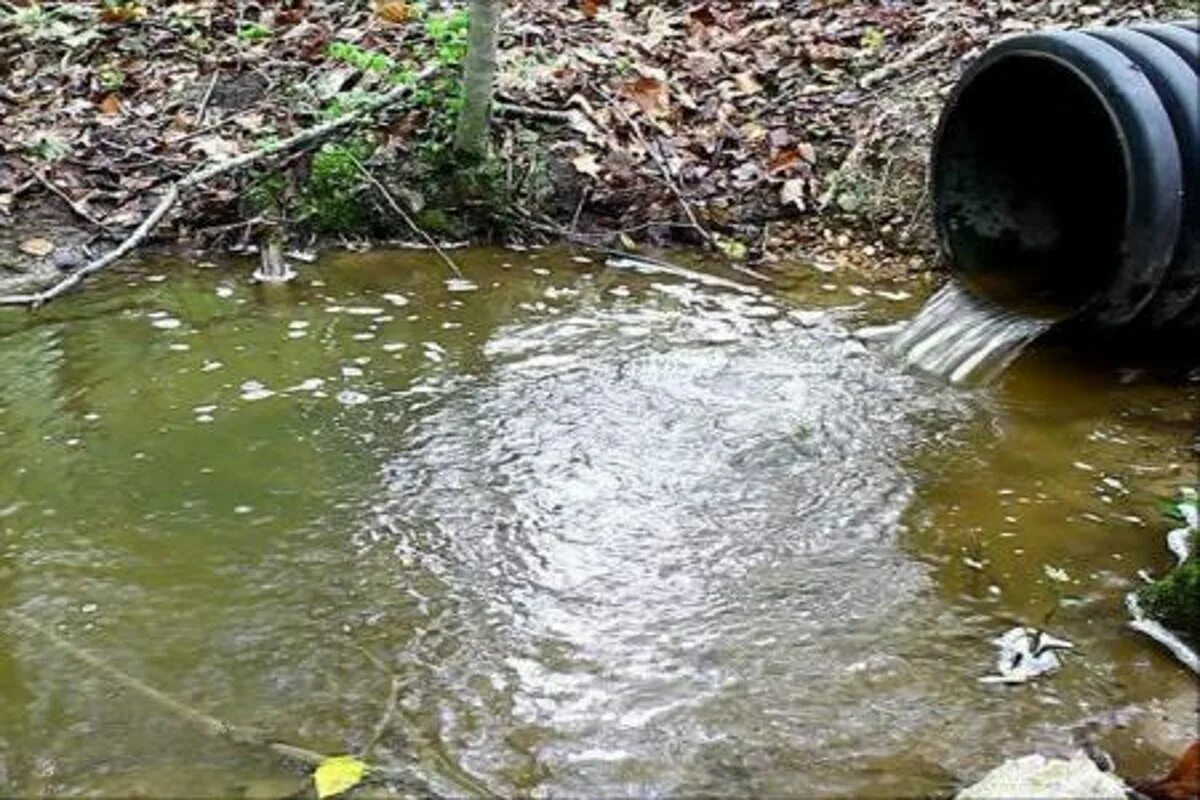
(242, 509)
(351, 372)
(224, 291)
(309, 385)
(962, 338)
(363, 337)
(348, 397)
(1036, 776)
(253, 390)
(1056, 574)
(210, 366)
(89, 608)
(398, 300)
(364, 311)
(179, 347)
(297, 325)
(460, 285)
(1025, 653)
(393, 347)
(166, 323)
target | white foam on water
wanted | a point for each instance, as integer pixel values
(963, 339)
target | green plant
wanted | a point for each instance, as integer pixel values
(47, 147)
(361, 58)
(253, 32)
(111, 77)
(449, 34)
(1175, 599)
(329, 198)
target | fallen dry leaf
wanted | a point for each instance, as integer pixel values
(37, 247)
(591, 8)
(110, 105)
(394, 11)
(121, 13)
(650, 94)
(793, 193)
(586, 164)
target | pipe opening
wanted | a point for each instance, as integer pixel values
(1031, 186)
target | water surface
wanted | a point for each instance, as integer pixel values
(618, 531)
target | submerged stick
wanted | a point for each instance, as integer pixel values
(408, 220)
(202, 176)
(464, 783)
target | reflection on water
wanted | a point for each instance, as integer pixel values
(618, 530)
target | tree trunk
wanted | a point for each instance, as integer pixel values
(479, 76)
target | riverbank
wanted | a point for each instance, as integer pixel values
(764, 131)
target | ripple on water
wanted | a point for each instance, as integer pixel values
(666, 503)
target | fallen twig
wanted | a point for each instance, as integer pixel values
(217, 727)
(208, 173)
(208, 93)
(381, 727)
(79, 210)
(408, 220)
(532, 112)
(923, 50)
(663, 167)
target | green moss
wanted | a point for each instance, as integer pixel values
(1175, 599)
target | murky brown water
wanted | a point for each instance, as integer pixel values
(618, 532)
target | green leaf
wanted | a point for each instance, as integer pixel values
(732, 248)
(338, 774)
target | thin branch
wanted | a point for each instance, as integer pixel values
(925, 49)
(208, 93)
(663, 168)
(408, 220)
(532, 112)
(201, 176)
(79, 210)
(389, 711)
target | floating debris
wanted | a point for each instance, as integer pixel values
(253, 390)
(460, 285)
(1025, 653)
(349, 397)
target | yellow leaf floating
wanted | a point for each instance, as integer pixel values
(338, 774)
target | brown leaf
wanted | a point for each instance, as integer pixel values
(110, 105)
(650, 94)
(591, 8)
(121, 13)
(790, 157)
(37, 247)
(396, 12)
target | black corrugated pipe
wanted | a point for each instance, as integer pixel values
(1066, 175)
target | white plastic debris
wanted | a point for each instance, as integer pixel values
(1025, 653)
(1036, 776)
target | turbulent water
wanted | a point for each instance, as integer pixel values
(615, 528)
(962, 338)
